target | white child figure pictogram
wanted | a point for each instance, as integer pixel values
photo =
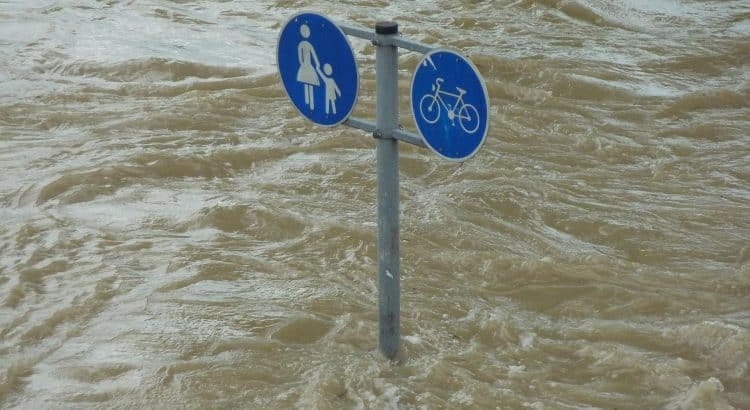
(332, 89)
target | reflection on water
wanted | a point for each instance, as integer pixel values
(175, 233)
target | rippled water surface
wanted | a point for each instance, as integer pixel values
(175, 235)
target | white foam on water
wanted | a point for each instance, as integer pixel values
(702, 395)
(415, 340)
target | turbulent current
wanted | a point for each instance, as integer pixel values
(175, 235)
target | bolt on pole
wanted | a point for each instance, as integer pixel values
(389, 277)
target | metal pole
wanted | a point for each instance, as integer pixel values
(389, 278)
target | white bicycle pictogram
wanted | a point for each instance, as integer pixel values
(467, 114)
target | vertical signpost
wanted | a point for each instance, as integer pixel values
(449, 103)
(389, 275)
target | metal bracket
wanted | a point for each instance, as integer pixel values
(396, 133)
(385, 40)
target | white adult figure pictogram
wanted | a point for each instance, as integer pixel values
(308, 74)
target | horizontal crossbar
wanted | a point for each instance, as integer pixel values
(361, 124)
(386, 40)
(398, 134)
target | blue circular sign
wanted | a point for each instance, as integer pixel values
(317, 67)
(450, 105)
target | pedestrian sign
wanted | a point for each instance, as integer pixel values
(450, 105)
(317, 67)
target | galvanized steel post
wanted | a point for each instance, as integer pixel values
(389, 278)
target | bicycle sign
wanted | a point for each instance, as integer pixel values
(429, 108)
(450, 105)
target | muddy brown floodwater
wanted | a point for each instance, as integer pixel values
(174, 234)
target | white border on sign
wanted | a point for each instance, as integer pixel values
(356, 92)
(486, 97)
